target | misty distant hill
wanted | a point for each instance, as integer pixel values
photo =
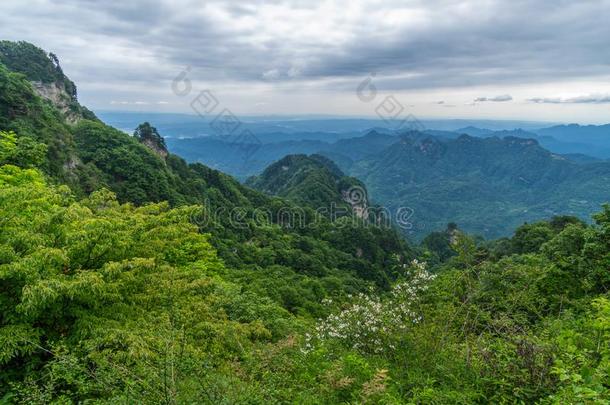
(488, 186)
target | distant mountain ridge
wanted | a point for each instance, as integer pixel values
(488, 186)
(87, 156)
(345, 147)
(230, 157)
(594, 134)
(192, 125)
(592, 140)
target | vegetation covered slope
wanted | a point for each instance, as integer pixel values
(313, 181)
(35, 64)
(107, 301)
(47, 77)
(249, 229)
(467, 183)
(487, 186)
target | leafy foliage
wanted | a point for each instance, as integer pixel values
(100, 299)
(119, 297)
(149, 135)
(23, 151)
(314, 181)
(33, 62)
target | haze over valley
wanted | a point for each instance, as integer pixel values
(289, 202)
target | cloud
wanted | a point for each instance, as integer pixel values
(125, 50)
(499, 99)
(450, 41)
(586, 99)
(271, 74)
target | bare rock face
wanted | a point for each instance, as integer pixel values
(148, 136)
(152, 145)
(356, 197)
(58, 96)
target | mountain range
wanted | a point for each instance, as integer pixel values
(489, 183)
(579, 143)
(488, 186)
(38, 102)
(128, 275)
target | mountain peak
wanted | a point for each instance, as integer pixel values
(150, 137)
(314, 181)
(46, 76)
(514, 140)
(465, 138)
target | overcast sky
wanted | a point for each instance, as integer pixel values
(538, 60)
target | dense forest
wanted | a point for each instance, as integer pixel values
(130, 276)
(487, 185)
(489, 182)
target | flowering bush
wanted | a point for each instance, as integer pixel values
(372, 323)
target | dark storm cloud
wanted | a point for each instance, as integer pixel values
(412, 44)
(503, 42)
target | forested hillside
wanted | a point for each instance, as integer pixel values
(487, 186)
(130, 276)
(489, 183)
(312, 181)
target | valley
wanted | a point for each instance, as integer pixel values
(142, 264)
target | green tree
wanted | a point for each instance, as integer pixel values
(21, 151)
(530, 237)
(148, 134)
